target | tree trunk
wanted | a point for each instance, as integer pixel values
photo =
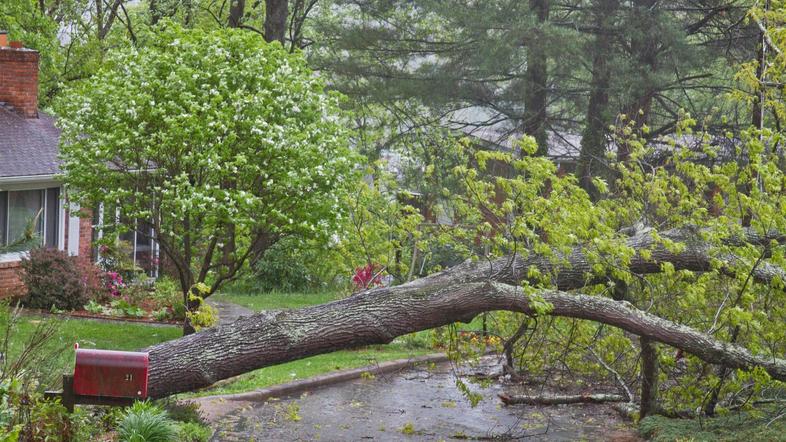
(457, 294)
(237, 10)
(649, 378)
(378, 316)
(643, 51)
(536, 98)
(276, 13)
(592, 162)
(154, 10)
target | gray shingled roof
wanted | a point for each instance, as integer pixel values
(28, 146)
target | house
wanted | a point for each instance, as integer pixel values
(29, 189)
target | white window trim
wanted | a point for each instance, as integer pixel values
(13, 256)
(73, 230)
(154, 247)
(61, 221)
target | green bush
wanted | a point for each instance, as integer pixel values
(169, 299)
(53, 279)
(191, 426)
(167, 291)
(293, 265)
(202, 315)
(144, 422)
(116, 256)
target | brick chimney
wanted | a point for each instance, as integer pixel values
(18, 77)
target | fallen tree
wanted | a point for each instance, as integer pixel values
(458, 294)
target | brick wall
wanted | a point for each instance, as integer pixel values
(86, 236)
(10, 282)
(19, 80)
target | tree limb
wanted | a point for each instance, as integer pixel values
(380, 315)
(557, 399)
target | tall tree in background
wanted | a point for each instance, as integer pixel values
(276, 15)
(592, 161)
(537, 79)
(649, 61)
(537, 67)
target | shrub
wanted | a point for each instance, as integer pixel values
(48, 421)
(182, 411)
(144, 422)
(294, 265)
(53, 279)
(167, 293)
(282, 268)
(91, 279)
(191, 426)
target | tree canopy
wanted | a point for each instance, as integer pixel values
(222, 143)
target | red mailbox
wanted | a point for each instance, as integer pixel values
(110, 374)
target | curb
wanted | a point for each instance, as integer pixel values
(302, 385)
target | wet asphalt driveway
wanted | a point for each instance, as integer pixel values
(412, 405)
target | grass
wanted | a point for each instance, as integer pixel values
(748, 426)
(89, 334)
(277, 300)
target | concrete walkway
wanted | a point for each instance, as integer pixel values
(229, 312)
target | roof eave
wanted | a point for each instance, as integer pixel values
(24, 179)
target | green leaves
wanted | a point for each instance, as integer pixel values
(216, 138)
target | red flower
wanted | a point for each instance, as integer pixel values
(367, 276)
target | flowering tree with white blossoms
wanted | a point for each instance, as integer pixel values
(223, 142)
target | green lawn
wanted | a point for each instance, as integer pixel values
(277, 300)
(89, 334)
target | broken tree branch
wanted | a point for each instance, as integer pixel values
(558, 399)
(380, 315)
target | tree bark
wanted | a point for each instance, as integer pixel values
(536, 98)
(155, 12)
(276, 13)
(592, 162)
(380, 315)
(649, 378)
(457, 294)
(237, 10)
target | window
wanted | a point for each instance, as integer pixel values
(19, 208)
(138, 235)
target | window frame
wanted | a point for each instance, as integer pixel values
(49, 221)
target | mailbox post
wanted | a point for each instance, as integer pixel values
(105, 377)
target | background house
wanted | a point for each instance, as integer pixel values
(29, 164)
